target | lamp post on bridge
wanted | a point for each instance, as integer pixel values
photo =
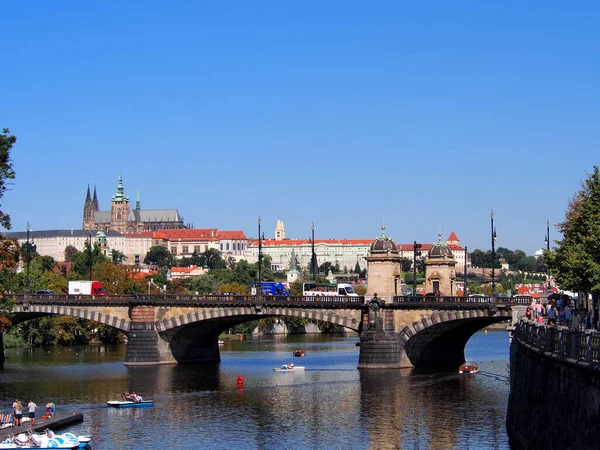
(313, 257)
(547, 242)
(465, 293)
(493, 254)
(259, 258)
(416, 251)
(28, 256)
(90, 253)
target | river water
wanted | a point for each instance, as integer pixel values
(330, 406)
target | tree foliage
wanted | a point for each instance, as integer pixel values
(575, 262)
(6, 170)
(159, 255)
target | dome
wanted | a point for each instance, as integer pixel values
(383, 244)
(440, 249)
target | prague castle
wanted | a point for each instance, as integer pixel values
(123, 219)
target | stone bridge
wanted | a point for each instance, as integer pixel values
(185, 329)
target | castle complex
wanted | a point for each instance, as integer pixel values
(123, 219)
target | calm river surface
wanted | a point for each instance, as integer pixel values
(330, 406)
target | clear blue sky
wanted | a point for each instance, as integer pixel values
(423, 115)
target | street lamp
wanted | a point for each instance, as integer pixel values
(547, 242)
(259, 256)
(90, 253)
(28, 256)
(465, 288)
(493, 253)
(313, 258)
(416, 251)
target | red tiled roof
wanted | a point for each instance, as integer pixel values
(184, 269)
(298, 242)
(453, 237)
(236, 234)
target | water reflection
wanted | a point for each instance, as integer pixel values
(331, 405)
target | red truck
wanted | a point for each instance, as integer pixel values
(86, 288)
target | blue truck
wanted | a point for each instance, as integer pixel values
(270, 288)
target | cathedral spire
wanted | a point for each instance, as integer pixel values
(137, 200)
(87, 197)
(95, 200)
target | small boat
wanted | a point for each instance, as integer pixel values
(468, 367)
(41, 441)
(129, 403)
(288, 368)
(299, 353)
(220, 342)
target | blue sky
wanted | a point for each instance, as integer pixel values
(421, 115)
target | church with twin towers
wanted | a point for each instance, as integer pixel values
(123, 219)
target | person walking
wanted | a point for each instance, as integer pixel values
(31, 407)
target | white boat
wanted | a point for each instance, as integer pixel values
(288, 368)
(129, 403)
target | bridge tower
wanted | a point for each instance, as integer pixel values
(380, 347)
(440, 273)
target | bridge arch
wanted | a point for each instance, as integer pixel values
(439, 340)
(24, 312)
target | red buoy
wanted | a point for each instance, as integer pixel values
(240, 380)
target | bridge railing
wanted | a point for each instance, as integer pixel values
(188, 299)
(461, 299)
(561, 341)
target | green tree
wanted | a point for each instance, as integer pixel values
(82, 261)
(211, 258)
(70, 250)
(575, 262)
(29, 251)
(118, 257)
(159, 255)
(6, 170)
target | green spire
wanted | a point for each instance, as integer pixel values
(120, 195)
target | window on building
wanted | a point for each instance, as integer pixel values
(184, 249)
(197, 248)
(227, 246)
(174, 250)
(221, 247)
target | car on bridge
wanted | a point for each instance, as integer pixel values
(46, 292)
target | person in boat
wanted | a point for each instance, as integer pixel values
(290, 365)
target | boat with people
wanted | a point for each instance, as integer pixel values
(468, 367)
(299, 353)
(129, 400)
(289, 367)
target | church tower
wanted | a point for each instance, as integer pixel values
(119, 209)
(89, 207)
(279, 231)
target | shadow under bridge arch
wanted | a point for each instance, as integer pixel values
(193, 337)
(439, 342)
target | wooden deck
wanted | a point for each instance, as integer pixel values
(60, 420)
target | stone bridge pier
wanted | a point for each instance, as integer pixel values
(394, 338)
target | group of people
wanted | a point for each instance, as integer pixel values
(131, 397)
(18, 412)
(559, 311)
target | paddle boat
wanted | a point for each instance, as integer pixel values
(130, 401)
(468, 367)
(299, 353)
(42, 441)
(291, 367)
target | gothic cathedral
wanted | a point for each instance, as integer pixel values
(125, 220)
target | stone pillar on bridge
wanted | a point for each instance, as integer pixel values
(380, 347)
(440, 274)
(145, 346)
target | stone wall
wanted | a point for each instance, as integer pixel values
(554, 388)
